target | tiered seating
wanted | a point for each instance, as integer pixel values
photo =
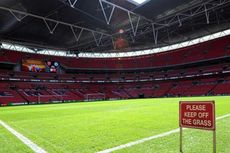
(181, 88)
(8, 96)
(161, 89)
(27, 92)
(157, 75)
(200, 52)
(199, 90)
(222, 88)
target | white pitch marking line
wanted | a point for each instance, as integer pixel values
(149, 138)
(25, 140)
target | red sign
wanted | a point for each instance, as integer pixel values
(199, 115)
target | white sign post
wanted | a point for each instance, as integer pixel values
(198, 115)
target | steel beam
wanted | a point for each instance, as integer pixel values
(77, 37)
(51, 29)
(72, 4)
(51, 20)
(206, 14)
(126, 10)
(187, 14)
(104, 13)
(97, 41)
(18, 18)
(134, 27)
(155, 34)
(82, 11)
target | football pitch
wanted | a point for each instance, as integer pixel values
(90, 127)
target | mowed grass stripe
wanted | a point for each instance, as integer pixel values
(194, 141)
(130, 144)
(10, 144)
(25, 140)
(91, 127)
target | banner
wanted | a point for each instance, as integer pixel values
(52, 66)
(32, 65)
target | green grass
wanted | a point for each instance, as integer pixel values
(10, 144)
(95, 126)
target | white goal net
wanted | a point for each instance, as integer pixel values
(49, 98)
(94, 96)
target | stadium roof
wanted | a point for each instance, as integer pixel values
(117, 54)
(138, 2)
(92, 26)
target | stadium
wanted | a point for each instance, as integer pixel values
(103, 76)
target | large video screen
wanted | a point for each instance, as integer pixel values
(52, 66)
(32, 65)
